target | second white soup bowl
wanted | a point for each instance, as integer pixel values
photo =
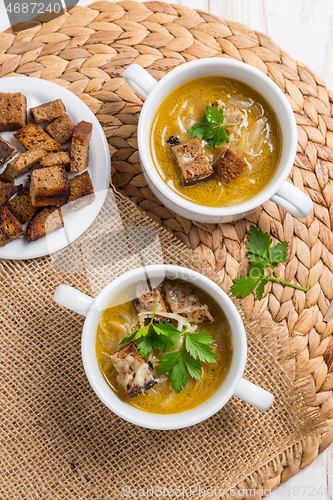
(233, 385)
(278, 189)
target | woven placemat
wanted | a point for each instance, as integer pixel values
(87, 50)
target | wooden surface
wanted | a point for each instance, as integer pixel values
(301, 28)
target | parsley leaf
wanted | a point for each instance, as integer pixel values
(214, 114)
(257, 259)
(261, 254)
(243, 286)
(200, 129)
(184, 361)
(261, 288)
(168, 361)
(258, 243)
(174, 362)
(143, 332)
(211, 127)
(193, 365)
(198, 345)
(128, 338)
(147, 345)
(162, 336)
(279, 253)
(167, 329)
(257, 270)
(181, 363)
(178, 376)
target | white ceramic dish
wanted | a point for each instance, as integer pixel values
(234, 384)
(37, 92)
(278, 189)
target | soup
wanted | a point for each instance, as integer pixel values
(256, 139)
(119, 320)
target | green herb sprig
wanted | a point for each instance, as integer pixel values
(261, 255)
(185, 361)
(211, 127)
(162, 336)
(196, 348)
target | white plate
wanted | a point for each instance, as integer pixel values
(38, 92)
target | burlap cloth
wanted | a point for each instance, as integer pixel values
(57, 439)
(60, 441)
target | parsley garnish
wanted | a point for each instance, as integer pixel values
(261, 255)
(162, 336)
(211, 127)
(184, 362)
(165, 337)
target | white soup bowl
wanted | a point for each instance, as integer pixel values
(278, 189)
(233, 385)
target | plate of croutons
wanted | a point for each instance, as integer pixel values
(54, 167)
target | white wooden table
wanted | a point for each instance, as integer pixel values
(303, 28)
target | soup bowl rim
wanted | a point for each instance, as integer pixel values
(140, 417)
(153, 101)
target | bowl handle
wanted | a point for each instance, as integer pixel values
(254, 395)
(139, 79)
(72, 299)
(293, 200)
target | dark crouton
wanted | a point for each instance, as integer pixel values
(44, 222)
(7, 151)
(59, 158)
(82, 192)
(229, 166)
(183, 300)
(48, 111)
(32, 136)
(21, 206)
(49, 186)
(7, 190)
(147, 301)
(61, 129)
(13, 111)
(192, 161)
(136, 374)
(21, 164)
(10, 228)
(80, 146)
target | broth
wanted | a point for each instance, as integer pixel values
(162, 398)
(258, 140)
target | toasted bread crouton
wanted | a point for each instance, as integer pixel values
(229, 165)
(10, 228)
(59, 158)
(21, 206)
(21, 164)
(48, 111)
(82, 192)
(7, 151)
(231, 115)
(32, 136)
(7, 190)
(183, 300)
(80, 146)
(44, 222)
(192, 161)
(49, 186)
(13, 111)
(61, 129)
(136, 374)
(147, 300)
